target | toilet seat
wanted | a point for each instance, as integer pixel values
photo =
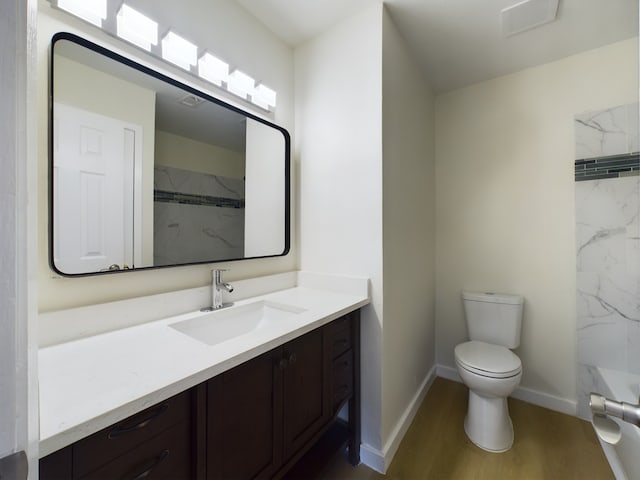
(488, 360)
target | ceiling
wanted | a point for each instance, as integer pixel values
(460, 42)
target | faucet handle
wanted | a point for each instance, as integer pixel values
(216, 274)
(217, 282)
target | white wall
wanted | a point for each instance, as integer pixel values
(264, 213)
(408, 211)
(18, 345)
(505, 201)
(10, 394)
(226, 29)
(339, 150)
(175, 151)
(367, 181)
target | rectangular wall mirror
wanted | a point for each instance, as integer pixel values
(148, 172)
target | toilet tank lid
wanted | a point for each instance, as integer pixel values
(491, 297)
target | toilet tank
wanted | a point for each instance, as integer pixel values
(494, 317)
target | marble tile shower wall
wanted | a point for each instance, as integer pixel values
(607, 246)
(607, 132)
(205, 212)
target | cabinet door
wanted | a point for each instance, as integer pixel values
(305, 399)
(244, 420)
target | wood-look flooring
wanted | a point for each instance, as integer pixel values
(548, 445)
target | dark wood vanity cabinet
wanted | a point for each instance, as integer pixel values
(263, 412)
(255, 421)
(305, 401)
(244, 417)
(155, 443)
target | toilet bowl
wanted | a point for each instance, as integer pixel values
(491, 373)
(489, 368)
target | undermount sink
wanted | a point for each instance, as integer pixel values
(221, 325)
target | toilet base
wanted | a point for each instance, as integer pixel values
(488, 424)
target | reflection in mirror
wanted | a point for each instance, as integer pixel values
(148, 172)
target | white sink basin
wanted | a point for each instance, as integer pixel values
(222, 325)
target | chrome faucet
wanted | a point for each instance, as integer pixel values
(217, 285)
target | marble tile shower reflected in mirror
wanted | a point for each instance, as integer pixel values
(201, 210)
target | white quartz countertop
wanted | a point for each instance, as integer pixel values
(88, 384)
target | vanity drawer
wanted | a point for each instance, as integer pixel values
(57, 465)
(124, 436)
(342, 382)
(166, 456)
(339, 335)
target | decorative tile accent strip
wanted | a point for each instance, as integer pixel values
(614, 166)
(190, 199)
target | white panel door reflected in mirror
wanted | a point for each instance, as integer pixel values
(148, 172)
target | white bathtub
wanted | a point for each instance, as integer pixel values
(624, 457)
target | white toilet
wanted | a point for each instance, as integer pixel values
(489, 368)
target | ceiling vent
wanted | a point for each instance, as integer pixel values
(191, 101)
(527, 15)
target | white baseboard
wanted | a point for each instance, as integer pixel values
(528, 395)
(380, 460)
(448, 373)
(562, 405)
(372, 458)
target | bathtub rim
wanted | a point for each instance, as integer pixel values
(624, 387)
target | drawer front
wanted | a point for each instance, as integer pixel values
(56, 466)
(166, 456)
(101, 447)
(339, 334)
(342, 384)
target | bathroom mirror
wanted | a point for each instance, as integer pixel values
(148, 172)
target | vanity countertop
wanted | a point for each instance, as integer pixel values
(91, 383)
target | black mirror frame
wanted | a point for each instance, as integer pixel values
(142, 68)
